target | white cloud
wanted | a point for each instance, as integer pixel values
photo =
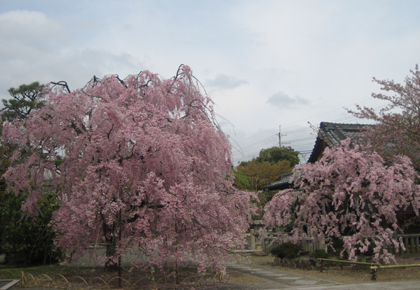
(222, 81)
(38, 48)
(27, 35)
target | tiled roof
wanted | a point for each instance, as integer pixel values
(284, 181)
(331, 134)
(334, 133)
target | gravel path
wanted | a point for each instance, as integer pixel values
(269, 278)
(273, 279)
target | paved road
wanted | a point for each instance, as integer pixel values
(273, 279)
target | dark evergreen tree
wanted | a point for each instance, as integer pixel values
(23, 101)
(26, 239)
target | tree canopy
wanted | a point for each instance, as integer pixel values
(276, 154)
(260, 174)
(142, 162)
(267, 167)
(351, 192)
(241, 180)
(397, 129)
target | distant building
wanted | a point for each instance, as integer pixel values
(283, 182)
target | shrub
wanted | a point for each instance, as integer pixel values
(317, 254)
(286, 250)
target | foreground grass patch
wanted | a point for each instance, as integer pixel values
(97, 278)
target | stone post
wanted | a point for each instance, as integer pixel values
(252, 240)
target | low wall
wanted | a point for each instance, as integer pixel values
(309, 244)
(95, 257)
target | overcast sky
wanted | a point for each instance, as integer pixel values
(264, 63)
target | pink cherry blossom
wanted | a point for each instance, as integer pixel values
(140, 161)
(350, 193)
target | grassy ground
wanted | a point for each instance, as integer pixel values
(96, 278)
(351, 274)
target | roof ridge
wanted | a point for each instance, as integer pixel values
(332, 123)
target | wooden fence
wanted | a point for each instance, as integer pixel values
(411, 244)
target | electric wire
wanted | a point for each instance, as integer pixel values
(257, 146)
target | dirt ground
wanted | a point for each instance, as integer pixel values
(97, 278)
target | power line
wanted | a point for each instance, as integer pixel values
(261, 141)
(272, 138)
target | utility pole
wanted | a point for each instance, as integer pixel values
(280, 135)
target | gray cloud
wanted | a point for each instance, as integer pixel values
(39, 49)
(282, 100)
(76, 67)
(222, 81)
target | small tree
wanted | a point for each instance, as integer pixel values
(262, 173)
(139, 161)
(276, 154)
(349, 193)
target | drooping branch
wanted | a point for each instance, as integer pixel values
(62, 84)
